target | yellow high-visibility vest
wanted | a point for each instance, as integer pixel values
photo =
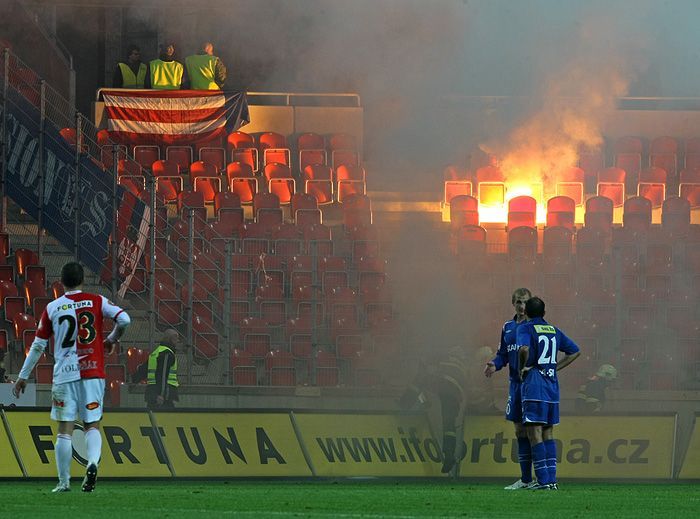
(201, 69)
(129, 80)
(153, 362)
(166, 75)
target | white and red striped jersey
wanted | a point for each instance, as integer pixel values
(75, 320)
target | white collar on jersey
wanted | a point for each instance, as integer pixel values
(72, 292)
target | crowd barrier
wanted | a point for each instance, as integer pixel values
(214, 443)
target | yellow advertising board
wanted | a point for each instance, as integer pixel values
(369, 445)
(9, 468)
(691, 464)
(232, 444)
(587, 447)
(128, 445)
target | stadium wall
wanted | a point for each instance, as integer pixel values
(283, 443)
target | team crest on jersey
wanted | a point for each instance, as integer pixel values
(58, 403)
(92, 406)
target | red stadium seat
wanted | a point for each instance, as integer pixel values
(611, 184)
(470, 242)
(204, 178)
(637, 214)
(241, 181)
(180, 155)
(561, 211)
(357, 211)
(213, 156)
(591, 161)
(146, 155)
(326, 369)
(168, 179)
(689, 187)
(557, 249)
(22, 322)
(599, 213)
(571, 183)
(675, 216)
(522, 244)
(663, 153)
(24, 258)
(522, 211)
(279, 365)
(318, 182)
(490, 186)
(652, 185)
(464, 210)
(273, 148)
(243, 369)
(454, 188)
(628, 156)
(692, 153)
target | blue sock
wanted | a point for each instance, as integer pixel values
(525, 460)
(551, 448)
(539, 462)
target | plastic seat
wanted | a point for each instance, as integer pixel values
(464, 210)
(663, 153)
(22, 322)
(692, 153)
(490, 186)
(357, 211)
(213, 156)
(522, 244)
(24, 258)
(349, 180)
(243, 369)
(454, 188)
(628, 156)
(242, 149)
(146, 155)
(273, 148)
(599, 213)
(180, 155)
(637, 214)
(168, 179)
(279, 365)
(522, 212)
(470, 242)
(311, 150)
(265, 201)
(652, 185)
(130, 176)
(571, 183)
(326, 369)
(318, 182)
(241, 181)
(591, 161)
(689, 187)
(561, 211)
(675, 216)
(204, 178)
(611, 184)
(107, 155)
(557, 249)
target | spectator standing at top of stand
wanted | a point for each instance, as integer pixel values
(132, 72)
(166, 73)
(205, 71)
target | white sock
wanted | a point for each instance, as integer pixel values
(93, 443)
(64, 454)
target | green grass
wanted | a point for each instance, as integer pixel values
(373, 498)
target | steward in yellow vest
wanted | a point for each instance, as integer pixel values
(132, 73)
(165, 73)
(162, 384)
(206, 71)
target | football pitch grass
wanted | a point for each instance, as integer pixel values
(346, 498)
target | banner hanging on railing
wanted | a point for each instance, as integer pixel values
(173, 116)
(59, 194)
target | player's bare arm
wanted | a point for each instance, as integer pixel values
(522, 359)
(19, 387)
(489, 369)
(568, 359)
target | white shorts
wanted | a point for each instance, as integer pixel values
(80, 397)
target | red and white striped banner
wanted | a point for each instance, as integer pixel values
(172, 116)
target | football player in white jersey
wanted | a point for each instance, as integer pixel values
(75, 321)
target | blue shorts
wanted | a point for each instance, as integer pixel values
(538, 412)
(514, 407)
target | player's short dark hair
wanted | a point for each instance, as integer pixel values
(72, 274)
(518, 292)
(534, 307)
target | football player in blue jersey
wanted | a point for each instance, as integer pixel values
(538, 344)
(507, 355)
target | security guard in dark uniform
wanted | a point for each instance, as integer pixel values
(162, 384)
(447, 379)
